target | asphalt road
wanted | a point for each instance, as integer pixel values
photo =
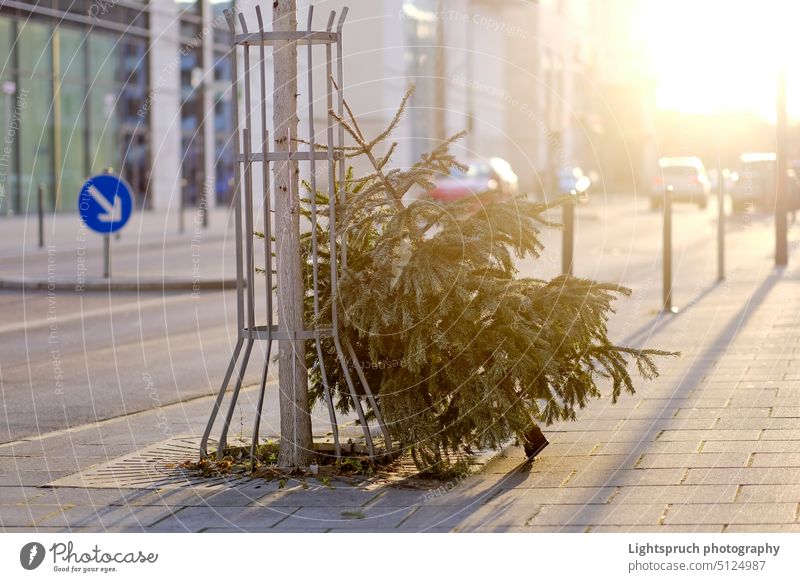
(69, 359)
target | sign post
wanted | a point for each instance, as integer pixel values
(105, 205)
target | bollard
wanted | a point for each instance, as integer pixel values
(579, 192)
(107, 256)
(567, 236)
(667, 262)
(41, 215)
(182, 207)
(721, 227)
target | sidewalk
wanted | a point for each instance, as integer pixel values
(151, 253)
(712, 445)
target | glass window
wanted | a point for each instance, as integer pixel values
(8, 90)
(35, 98)
(71, 122)
(103, 123)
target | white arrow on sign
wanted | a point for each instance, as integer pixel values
(112, 213)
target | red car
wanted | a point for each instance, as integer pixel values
(492, 176)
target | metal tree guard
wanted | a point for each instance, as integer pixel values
(329, 152)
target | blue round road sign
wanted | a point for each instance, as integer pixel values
(105, 203)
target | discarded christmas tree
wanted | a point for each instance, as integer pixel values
(463, 352)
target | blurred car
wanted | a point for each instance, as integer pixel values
(754, 183)
(686, 176)
(574, 181)
(493, 176)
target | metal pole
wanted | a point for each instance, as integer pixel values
(781, 242)
(181, 206)
(568, 236)
(41, 215)
(667, 248)
(107, 256)
(721, 226)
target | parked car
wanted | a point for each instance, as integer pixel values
(492, 176)
(755, 182)
(686, 176)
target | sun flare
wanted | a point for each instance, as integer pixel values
(719, 56)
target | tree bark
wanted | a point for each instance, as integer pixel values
(296, 442)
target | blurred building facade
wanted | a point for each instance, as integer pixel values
(144, 88)
(136, 86)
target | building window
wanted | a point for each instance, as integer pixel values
(72, 95)
(222, 101)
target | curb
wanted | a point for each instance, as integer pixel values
(119, 284)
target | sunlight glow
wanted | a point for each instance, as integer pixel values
(719, 56)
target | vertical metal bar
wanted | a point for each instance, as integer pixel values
(267, 237)
(223, 437)
(262, 390)
(248, 231)
(312, 166)
(720, 224)
(237, 199)
(567, 236)
(340, 95)
(312, 139)
(248, 187)
(667, 248)
(332, 236)
(237, 204)
(40, 208)
(218, 402)
(265, 167)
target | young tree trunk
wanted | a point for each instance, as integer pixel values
(296, 443)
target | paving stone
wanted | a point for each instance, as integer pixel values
(195, 519)
(710, 435)
(766, 528)
(785, 412)
(628, 514)
(775, 460)
(674, 494)
(345, 518)
(599, 463)
(441, 517)
(723, 412)
(661, 461)
(781, 435)
(760, 423)
(135, 518)
(744, 476)
(558, 495)
(752, 446)
(768, 493)
(53, 515)
(529, 529)
(320, 497)
(667, 528)
(648, 447)
(627, 477)
(732, 513)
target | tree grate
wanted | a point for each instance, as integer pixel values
(155, 467)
